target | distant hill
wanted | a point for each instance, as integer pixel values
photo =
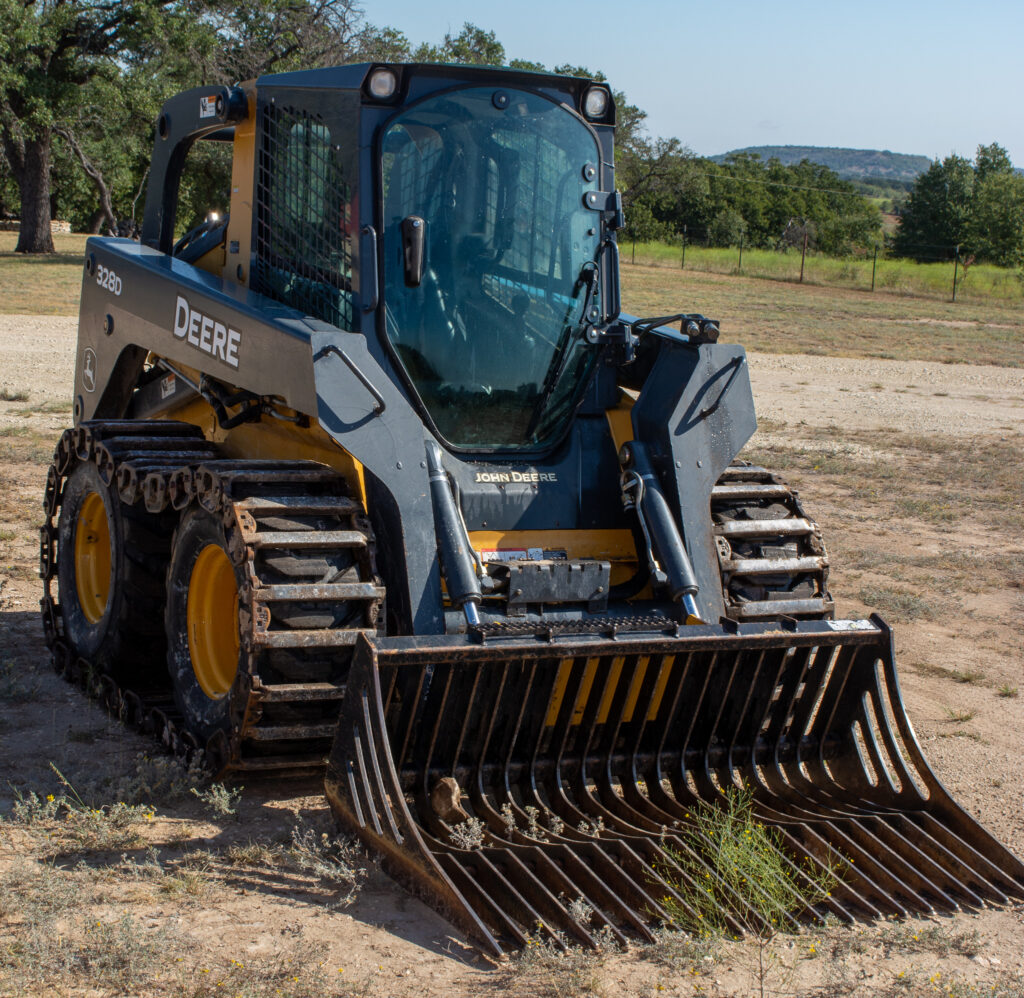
(850, 164)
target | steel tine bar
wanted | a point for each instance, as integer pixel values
(963, 856)
(477, 794)
(607, 804)
(769, 714)
(466, 713)
(908, 794)
(614, 861)
(693, 691)
(827, 838)
(560, 731)
(525, 692)
(541, 897)
(480, 899)
(957, 882)
(743, 721)
(512, 900)
(432, 711)
(704, 774)
(888, 868)
(558, 787)
(412, 696)
(560, 885)
(596, 890)
(861, 880)
(624, 773)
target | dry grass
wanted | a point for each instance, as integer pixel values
(776, 317)
(897, 604)
(911, 477)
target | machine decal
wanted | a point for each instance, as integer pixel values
(207, 107)
(106, 278)
(206, 333)
(521, 554)
(89, 370)
(500, 477)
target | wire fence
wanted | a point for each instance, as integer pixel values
(945, 273)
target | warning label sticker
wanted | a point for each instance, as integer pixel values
(207, 107)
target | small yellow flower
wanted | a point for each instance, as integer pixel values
(49, 797)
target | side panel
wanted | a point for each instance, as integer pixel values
(695, 413)
(136, 297)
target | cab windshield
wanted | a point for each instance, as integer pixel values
(489, 327)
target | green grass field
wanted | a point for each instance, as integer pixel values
(41, 285)
(982, 282)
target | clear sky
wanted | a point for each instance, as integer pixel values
(916, 76)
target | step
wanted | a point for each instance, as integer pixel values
(782, 607)
(750, 491)
(730, 474)
(298, 504)
(291, 732)
(278, 763)
(764, 528)
(307, 539)
(301, 692)
(318, 591)
(774, 566)
(324, 638)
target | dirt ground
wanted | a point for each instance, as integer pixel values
(914, 471)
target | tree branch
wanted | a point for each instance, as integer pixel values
(92, 172)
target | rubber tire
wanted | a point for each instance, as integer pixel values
(127, 642)
(203, 715)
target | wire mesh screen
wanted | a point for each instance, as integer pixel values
(304, 217)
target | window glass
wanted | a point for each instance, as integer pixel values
(492, 337)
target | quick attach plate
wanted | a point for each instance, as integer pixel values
(533, 582)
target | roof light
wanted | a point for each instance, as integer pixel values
(595, 102)
(383, 84)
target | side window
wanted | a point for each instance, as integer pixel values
(305, 218)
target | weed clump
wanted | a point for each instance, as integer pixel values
(331, 860)
(77, 826)
(219, 800)
(733, 873)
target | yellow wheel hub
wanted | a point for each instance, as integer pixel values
(213, 621)
(92, 558)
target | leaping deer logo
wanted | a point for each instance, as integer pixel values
(89, 370)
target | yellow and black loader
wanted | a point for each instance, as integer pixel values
(372, 473)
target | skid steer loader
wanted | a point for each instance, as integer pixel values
(374, 473)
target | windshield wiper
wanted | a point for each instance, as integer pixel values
(588, 279)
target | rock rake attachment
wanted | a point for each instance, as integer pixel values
(505, 778)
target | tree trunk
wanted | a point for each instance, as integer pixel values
(35, 235)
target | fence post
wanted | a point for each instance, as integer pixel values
(874, 264)
(740, 266)
(803, 254)
(682, 266)
(634, 249)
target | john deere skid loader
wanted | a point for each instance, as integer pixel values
(374, 472)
